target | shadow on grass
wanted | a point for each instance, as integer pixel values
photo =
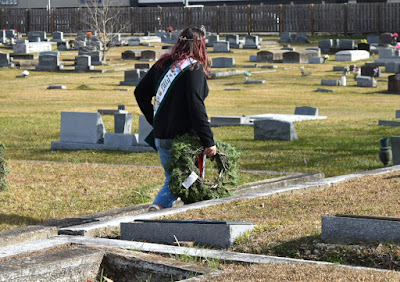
(17, 219)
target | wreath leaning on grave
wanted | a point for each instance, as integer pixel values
(184, 159)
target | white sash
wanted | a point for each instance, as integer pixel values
(168, 80)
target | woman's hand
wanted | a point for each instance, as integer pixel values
(210, 151)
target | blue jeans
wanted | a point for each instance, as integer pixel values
(164, 196)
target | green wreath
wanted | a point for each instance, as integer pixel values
(184, 153)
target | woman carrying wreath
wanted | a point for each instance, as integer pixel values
(178, 83)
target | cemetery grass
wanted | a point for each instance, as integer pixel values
(346, 142)
(289, 225)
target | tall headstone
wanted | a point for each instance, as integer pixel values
(58, 36)
(5, 60)
(325, 45)
(83, 63)
(144, 129)
(3, 38)
(346, 44)
(133, 77)
(49, 61)
(286, 37)
(82, 127)
(95, 56)
(37, 36)
(301, 37)
(385, 38)
(394, 84)
(11, 34)
(373, 39)
(251, 42)
(212, 39)
(234, 41)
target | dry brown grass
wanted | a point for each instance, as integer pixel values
(301, 272)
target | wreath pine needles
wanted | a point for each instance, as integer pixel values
(184, 152)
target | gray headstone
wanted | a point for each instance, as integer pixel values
(62, 46)
(212, 39)
(142, 66)
(228, 120)
(221, 46)
(397, 114)
(301, 37)
(5, 60)
(95, 56)
(129, 55)
(298, 57)
(373, 39)
(385, 38)
(392, 67)
(338, 68)
(394, 84)
(346, 44)
(58, 36)
(11, 34)
(83, 62)
(233, 40)
(330, 82)
(369, 70)
(49, 61)
(3, 37)
(305, 110)
(315, 49)
(134, 41)
(251, 42)
(223, 62)
(395, 141)
(365, 81)
(253, 58)
(82, 127)
(325, 45)
(347, 230)
(133, 77)
(120, 140)
(34, 35)
(315, 60)
(385, 53)
(148, 55)
(123, 123)
(273, 129)
(285, 37)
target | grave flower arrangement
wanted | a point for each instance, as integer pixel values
(170, 29)
(247, 74)
(356, 71)
(346, 71)
(89, 33)
(398, 46)
(305, 72)
(376, 72)
(185, 164)
(325, 58)
(364, 41)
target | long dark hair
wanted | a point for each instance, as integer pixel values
(191, 43)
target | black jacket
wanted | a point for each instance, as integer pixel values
(183, 110)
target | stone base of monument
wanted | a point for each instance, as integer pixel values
(221, 234)
(348, 229)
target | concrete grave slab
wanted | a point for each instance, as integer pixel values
(229, 120)
(221, 234)
(352, 55)
(330, 82)
(306, 110)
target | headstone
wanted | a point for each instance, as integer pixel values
(371, 70)
(212, 39)
(315, 60)
(346, 44)
(233, 40)
(120, 140)
(63, 87)
(373, 39)
(274, 129)
(83, 63)
(330, 82)
(253, 58)
(129, 55)
(135, 41)
(251, 42)
(33, 36)
(385, 53)
(395, 141)
(288, 48)
(285, 37)
(78, 44)
(365, 81)
(49, 61)
(228, 120)
(26, 47)
(325, 45)
(352, 55)
(394, 84)
(385, 38)
(5, 60)
(82, 127)
(148, 55)
(364, 46)
(11, 34)
(273, 56)
(144, 129)
(142, 66)
(392, 67)
(95, 56)
(298, 57)
(223, 62)
(397, 114)
(338, 68)
(305, 110)
(301, 37)
(315, 49)
(58, 36)
(123, 123)
(63, 46)
(115, 39)
(133, 77)
(221, 46)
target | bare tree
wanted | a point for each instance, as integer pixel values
(105, 18)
